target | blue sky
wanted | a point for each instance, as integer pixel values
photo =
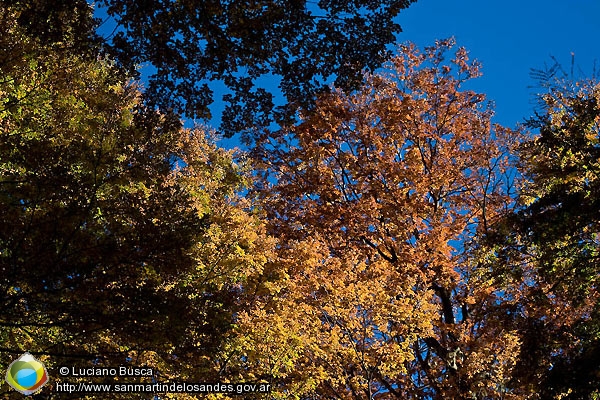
(510, 37)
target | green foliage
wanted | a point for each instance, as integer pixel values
(68, 24)
(550, 249)
(122, 234)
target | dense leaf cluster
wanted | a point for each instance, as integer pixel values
(390, 243)
(302, 44)
(121, 235)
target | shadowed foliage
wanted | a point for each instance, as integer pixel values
(301, 44)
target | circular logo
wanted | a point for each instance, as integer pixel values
(26, 374)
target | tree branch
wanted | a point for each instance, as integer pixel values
(392, 257)
(446, 303)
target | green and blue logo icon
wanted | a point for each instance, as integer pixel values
(27, 374)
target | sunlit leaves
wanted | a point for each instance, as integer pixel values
(123, 235)
(552, 254)
(389, 249)
(389, 185)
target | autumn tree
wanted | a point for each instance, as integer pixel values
(377, 197)
(122, 236)
(549, 249)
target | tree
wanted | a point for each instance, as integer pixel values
(301, 45)
(553, 251)
(122, 236)
(376, 197)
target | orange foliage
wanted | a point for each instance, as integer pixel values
(377, 196)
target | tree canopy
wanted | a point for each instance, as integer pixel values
(388, 187)
(122, 234)
(385, 239)
(549, 248)
(303, 45)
